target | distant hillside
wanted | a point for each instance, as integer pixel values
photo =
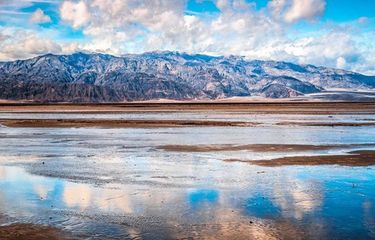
(82, 77)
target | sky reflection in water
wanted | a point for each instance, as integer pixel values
(115, 183)
(336, 201)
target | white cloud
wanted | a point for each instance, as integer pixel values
(134, 26)
(341, 62)
(40, 17)
(323, 48)
(21, 44)
(75, 13)
(337, 49)
(363, 20)
(277, 7)
(3, 37)
(295, 10)
(305, 9)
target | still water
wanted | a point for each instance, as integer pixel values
(116, 183)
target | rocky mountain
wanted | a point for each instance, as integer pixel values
(83, 77)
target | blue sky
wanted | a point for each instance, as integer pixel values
(349, 10)
(334, 33)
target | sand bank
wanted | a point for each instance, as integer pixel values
(256, 147)
(108, 123)
(354, 158)
(246, 107)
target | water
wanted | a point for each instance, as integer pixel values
(116, 183)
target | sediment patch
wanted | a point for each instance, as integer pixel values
(265, 107)
(109, 123)
(355, 158)
(327, 124)
(31, 232)
(258, 147)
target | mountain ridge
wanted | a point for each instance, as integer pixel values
(97, 77)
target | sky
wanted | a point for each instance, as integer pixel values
(331, 33)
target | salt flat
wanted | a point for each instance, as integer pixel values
(188, 181)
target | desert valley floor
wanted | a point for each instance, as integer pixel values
(292, 170)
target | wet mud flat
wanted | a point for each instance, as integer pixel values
(346, 158)
(353, 158)
(329, 124)
(258, 147)
(187, 171)
(68, 123)
(270, 107)
(32, 232)
(102, 123)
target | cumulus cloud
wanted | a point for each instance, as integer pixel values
(3, 37)
(305, 9)
(21, 44)
(325, 48)
(341, 62)
(139, 25)
(40, 17)
(337, 49)
(75, 13)
(239, 28)
(295, 10)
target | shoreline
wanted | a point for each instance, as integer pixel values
(160, 123)
(246, 107)
(106, 123)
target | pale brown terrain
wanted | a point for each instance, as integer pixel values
(328, 124)
(354, 159)
(32, 232)
(68, 123)
(257, 147)
(237, 106)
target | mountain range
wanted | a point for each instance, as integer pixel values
(94, 77)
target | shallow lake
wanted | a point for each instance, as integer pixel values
(119, 183)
